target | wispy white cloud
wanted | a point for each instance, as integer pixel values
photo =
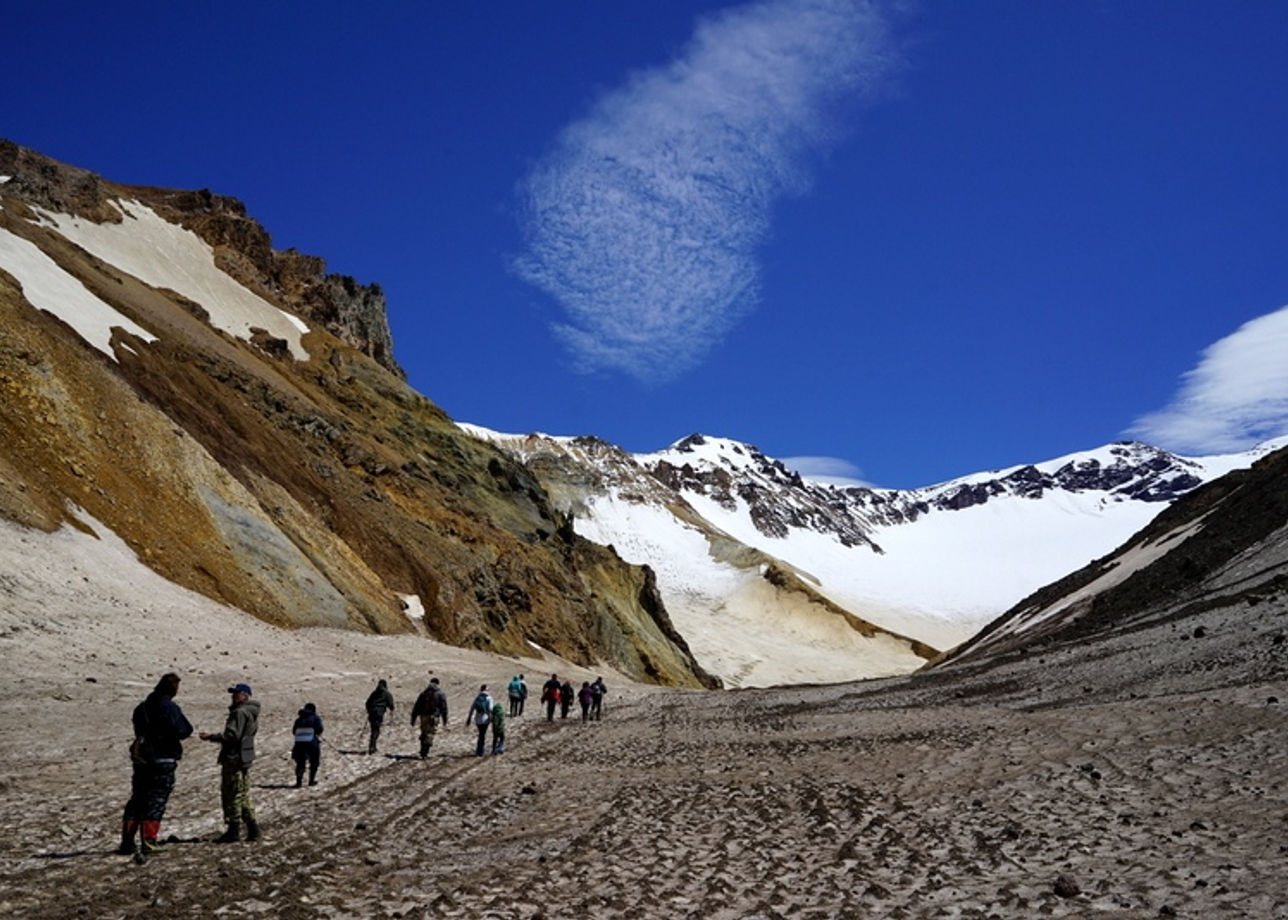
(832, 470)
(644, 219)
(1235, 398)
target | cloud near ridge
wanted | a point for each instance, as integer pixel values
(835, 471)
(644, 219)
(1234, 399)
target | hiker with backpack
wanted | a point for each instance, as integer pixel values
(516, 692)
(159, 730)
(597, 693)
(481, 715)
(550, 696)
(236, 754)
(566, 696)
(430, 709)
(378, 703)
(498, 729)
(308, 744)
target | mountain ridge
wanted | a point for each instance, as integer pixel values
(769, 536)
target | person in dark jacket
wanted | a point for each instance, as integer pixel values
(159, 730)
(550, 695)
(430, 710)
(378, 703)
(236, 754)
(584, 696)
(597, 693)
(308, 744)
(567, 694)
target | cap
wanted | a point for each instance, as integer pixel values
(240, 688)
(433, 680)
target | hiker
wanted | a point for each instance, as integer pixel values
(550, 696)
(516, 691)
(566, 695)
(236, 754)
(481, 715)
(523, 694)
(378, 703)
(498, 729)
(584, 696)
(597, 693)
(308, 744)
(159, 730)
(430, 709)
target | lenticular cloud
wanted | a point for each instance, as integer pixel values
(643, 220)
(1234, 399)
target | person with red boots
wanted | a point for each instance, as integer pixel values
(159, 730)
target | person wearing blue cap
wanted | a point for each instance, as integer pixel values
(236, 754)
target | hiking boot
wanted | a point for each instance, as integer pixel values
(148, 847)
(232, 835)
(252, 830)
(128, 830)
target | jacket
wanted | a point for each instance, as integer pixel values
(432, 701)
(237, 743)
(481, 709)
(307, 728)
(161, 726)
(380, 700)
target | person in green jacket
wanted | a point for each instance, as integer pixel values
(498, 729)
(236, 754)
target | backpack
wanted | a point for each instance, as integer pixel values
(482, 710)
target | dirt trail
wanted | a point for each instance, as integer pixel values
(802, 803)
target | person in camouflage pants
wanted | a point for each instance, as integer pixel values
(236, 754)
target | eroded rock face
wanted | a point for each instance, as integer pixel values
(315, 491)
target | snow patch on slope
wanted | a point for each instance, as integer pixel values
(165, 255)
(47, 287)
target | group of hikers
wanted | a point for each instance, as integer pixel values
(485, 714)
(160, 728)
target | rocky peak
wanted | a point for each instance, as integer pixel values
(352, 312)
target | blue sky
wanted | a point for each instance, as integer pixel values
(920, 240)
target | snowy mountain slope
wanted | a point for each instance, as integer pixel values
(718, 522)
(1209, 559)
(747, 615)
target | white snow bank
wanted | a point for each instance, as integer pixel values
(50, 288)
(165, 255)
